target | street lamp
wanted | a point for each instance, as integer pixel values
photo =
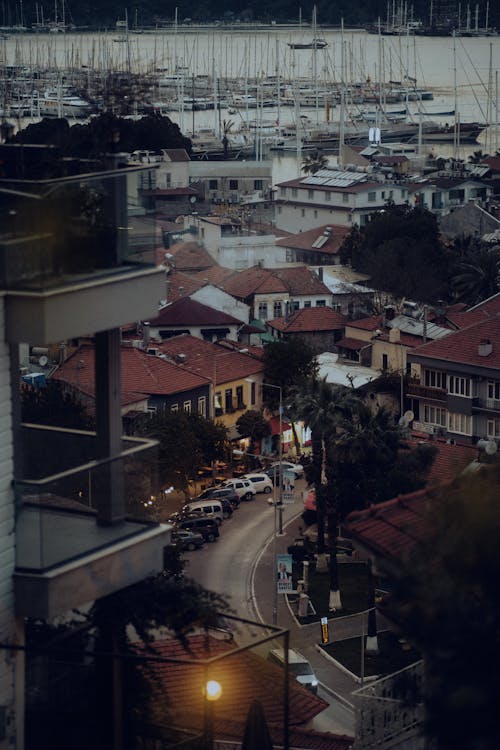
(212, 692)
(280, 456)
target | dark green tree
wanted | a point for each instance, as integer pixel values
(286, 364)
(394, 246)
(477, 275)
(445, 600)
(314, 161)
(186, 442)
(51, 405)
(253, 425)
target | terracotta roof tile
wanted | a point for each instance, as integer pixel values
(215, 275)
(181, 284)
(351, 343)
(141, 373)
(301, 280)
(186, 311)
(244, 676)
(310, 319)
(212, 360)
(461, 347)
(251, 281)
(190, 256)
(368, 324)
(305, 240)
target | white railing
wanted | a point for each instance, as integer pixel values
(390, 712)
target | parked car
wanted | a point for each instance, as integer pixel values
(297, 469)
(201, 525)
(298, 666)
(220, 493)
(243, 488)
(260, 481)
(210, 508)
(187, 540)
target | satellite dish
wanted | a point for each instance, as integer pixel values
(409, 415)
(43, 360)
(488, 446)
(192, 199)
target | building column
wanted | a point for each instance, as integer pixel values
(108, 484)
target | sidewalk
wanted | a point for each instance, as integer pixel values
(304, 638)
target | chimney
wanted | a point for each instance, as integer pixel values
(394, 335)
(146, 333)
(485, 348)
(389, 312)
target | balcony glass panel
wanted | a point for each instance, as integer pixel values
(63, 515)
(63, 230)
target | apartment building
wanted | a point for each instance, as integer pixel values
(67, 536)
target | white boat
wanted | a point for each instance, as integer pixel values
(56, 103)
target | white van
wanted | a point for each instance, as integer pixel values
(298, 666)
(209, 508)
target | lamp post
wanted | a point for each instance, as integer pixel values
(212, 692)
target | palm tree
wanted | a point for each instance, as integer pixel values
(313, 162)
(477, 157)
(323, 409)
(227, 126)
(477, 276)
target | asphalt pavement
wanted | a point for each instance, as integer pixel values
(334, 681)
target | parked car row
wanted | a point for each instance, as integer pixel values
(199, 520)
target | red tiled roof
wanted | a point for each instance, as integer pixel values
(390, 529)
(142, 374)
(310, 319)
(253, 280)
(462, 346)
(159, 192)
(244, 676)
(186, 311)
(491, 306)
(190, 256)
(493, 162)
(215, 275)
(301, 280)
(181, 284)
(353, 344)
(305, 240)
(211, 360)
(368, 324)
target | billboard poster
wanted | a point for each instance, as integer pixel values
(284, 573)
(288, 486)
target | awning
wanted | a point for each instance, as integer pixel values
(274, 424)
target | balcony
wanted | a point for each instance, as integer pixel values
(65, 258)
(487, 404)
(84, 526)
(423, 391)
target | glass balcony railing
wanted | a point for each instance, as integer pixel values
(68, 507)
(64, 230)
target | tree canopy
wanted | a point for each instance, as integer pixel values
(286, 364)
(187, 442)
(445, 600)
(92, 139)
(394, 247)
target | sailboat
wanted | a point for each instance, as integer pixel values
(315, 43)
(122, 27)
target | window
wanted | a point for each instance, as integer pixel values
(493, 393)
(315, 214)
(213, 184)
(258, 184)
(493, 428)
(202, 406)
(459, 386)
(382, 194)
(434, 415)
(252, 393)
(321, 303)
(240, 404)
(328, 196)
(187, 407)
(218, 403)
(228, 400)
(435, 379)
(262, 310)
(277, 309)
(294, 192)
(372, 196)
(295, 304)
(307, 303)
(460, 423)
(168, 179)
(174, 407)
(345, 197)
(385, 362)
(279, 209)
(233, 184)
(302, 211)
(310, 194)
(283, 192)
